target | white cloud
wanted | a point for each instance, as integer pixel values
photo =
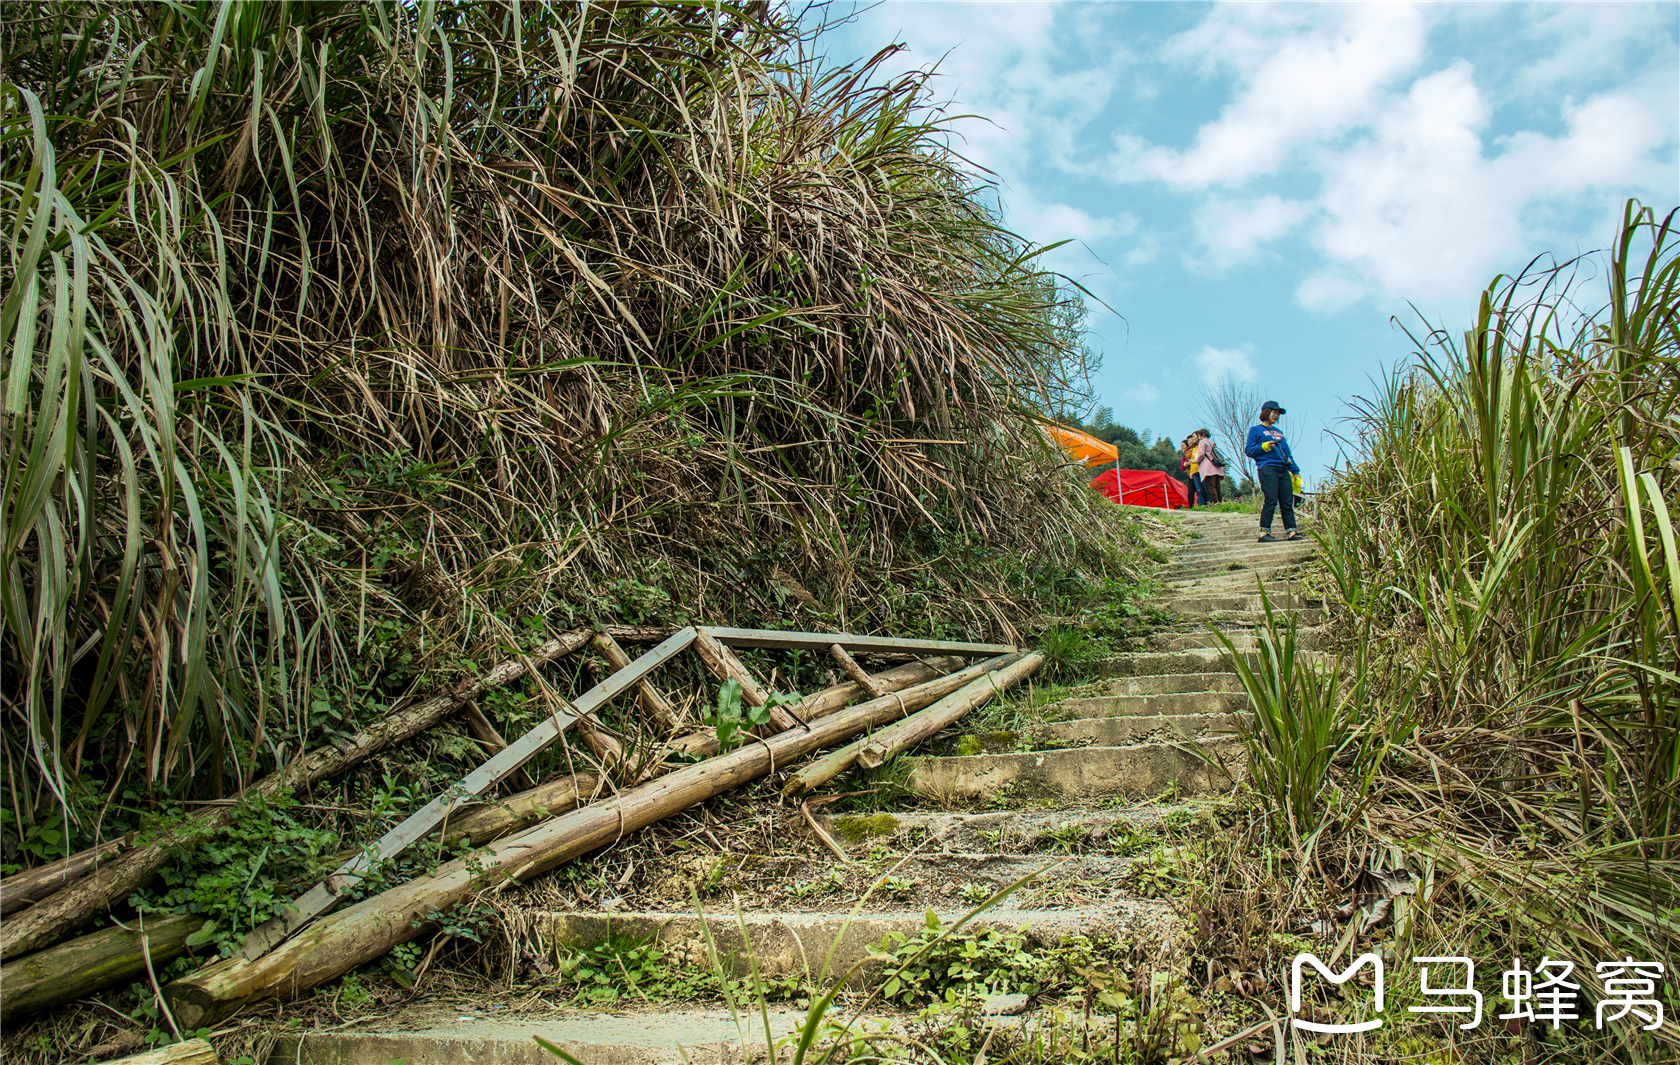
(1142, 393)
(1307, 74)
(1329, 291)
(1229, 232)
(1421, 210)
(1215, 364)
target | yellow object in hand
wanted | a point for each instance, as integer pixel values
(1267, 446)
(1296, 479)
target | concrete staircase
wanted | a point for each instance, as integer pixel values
(1070, 799)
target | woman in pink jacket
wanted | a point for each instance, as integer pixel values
(1213, 474)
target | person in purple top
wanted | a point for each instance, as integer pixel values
(1275, 469)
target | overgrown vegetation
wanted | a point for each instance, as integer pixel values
(1504, 730)
(349, 347)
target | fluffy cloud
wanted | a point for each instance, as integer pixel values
(1424, 212)
(1230, 231)
(1216, 364)
(1306, 74)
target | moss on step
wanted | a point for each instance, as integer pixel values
(858, 829)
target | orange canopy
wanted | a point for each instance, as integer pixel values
(1082, 447)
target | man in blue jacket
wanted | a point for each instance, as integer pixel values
(1275, 469)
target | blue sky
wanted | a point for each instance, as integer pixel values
(1260, 190)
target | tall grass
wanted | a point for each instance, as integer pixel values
(322, 316)
(1505, 542)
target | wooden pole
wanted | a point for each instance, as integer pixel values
(854, 671)
(822, 704)
(353, 936)
(655, 705)
(945, 710)
(85, 965)
(187, 1052)
(485, 732)
(72, 905)
(32, 885)
(905, 734)
(725, 666)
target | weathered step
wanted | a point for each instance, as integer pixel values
(473, 1035)
(820, 947)
(1252, 553)
(1169, 704)
(1177, 571)
(1010, 831)
(1197, 641)
(1128, 731)
(1157, 663)
(1173, 683)
(1214, 604)
(1078, 773)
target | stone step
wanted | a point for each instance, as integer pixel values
(1175, 571)
(1158, 663)
(1203, 640)
(471, 1034)
(1167, 705)
(1080, 773)
(1173, 683)
(1010, 831)
(1251, 554)
(821, 947)
(1276, 584)
(1106, 730)
(1128, 731)
(1198, 605)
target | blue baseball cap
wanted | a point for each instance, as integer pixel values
(1272, 404)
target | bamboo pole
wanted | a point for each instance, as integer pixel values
(655, 705)
(904, 734)
(187, 1052)
(821, 704)
(853, 670)
(725, 666)
(85, 965)
(353, 936)
(72, 905)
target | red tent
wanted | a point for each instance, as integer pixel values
(1143, 488)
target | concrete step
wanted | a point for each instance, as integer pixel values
(462, 1037)
(821, 947)
(1075, 774)
(1250, 554)
(1168, 705)
(1173, 683)
(1158, 663)
(1199, 605)
(1100, 731)
(1128, 731)
(1176, 571)
(1192, 641)
(1013, 831)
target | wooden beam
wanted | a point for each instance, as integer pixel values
(818, 641)
(655, 705)
(324, 895)
(491, 740)
(189, 1052)
(725, 666)
(98, 960)
(854, 671)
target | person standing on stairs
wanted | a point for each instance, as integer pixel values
(1187, 464)
(1275, 469)
(1208, 466)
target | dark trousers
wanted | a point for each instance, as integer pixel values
(1211, 492)
(1280, 495)
(1198, 491)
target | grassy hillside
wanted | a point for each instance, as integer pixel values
(348, 347)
